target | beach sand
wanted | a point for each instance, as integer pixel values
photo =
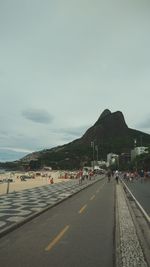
(40, 179)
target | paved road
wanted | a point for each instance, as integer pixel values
(17, 207)
(77, 232)
(141, 191)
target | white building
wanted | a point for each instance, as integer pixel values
(112, 159)
(138, 151)
(99, 163)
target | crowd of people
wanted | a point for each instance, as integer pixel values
(141, 175)
(129, 176)
(85, 174)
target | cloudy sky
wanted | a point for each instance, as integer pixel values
(63, 62)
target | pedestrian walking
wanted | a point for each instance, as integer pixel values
(117, 176)
(109, 175)
(80, 175)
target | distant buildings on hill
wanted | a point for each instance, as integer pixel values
(124, 158)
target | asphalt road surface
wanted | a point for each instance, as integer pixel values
(141, 191)
(78, 232)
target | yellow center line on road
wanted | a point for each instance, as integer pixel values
(92, 197)
(57, 238)
(82, 209)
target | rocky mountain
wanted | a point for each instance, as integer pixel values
(109, 133)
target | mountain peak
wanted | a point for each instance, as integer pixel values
(110, 133)
(105, 113)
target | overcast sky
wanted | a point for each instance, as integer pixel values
(63, 62)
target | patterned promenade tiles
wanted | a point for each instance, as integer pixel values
(130, 250)
(17, 206)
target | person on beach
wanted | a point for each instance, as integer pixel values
(51, 181)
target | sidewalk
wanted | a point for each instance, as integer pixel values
(19, 207)
(128, 248)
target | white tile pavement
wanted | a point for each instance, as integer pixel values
(130, 250)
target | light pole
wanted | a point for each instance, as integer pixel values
(96, 148)
(92, 145)
(135, 142)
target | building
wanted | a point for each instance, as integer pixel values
(125, 158)
(112, 159)
(99, 163)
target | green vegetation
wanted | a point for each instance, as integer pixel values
(142, 161)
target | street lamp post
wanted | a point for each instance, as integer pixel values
(96, 148)
(135, 143)
(92, 145)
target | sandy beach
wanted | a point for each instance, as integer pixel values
(38, 179)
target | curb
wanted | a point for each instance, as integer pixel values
(137, 203)
(140, 220)
(117, 261)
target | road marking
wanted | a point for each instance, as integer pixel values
(92, 197)
(82, 209)
(57, 238)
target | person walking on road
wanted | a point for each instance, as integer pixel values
(117, 176)
(80, 175)
(109, 175)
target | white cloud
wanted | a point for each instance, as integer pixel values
(72, 59)
(16, 149)
(37, 115)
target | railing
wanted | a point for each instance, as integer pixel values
(137, 203)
